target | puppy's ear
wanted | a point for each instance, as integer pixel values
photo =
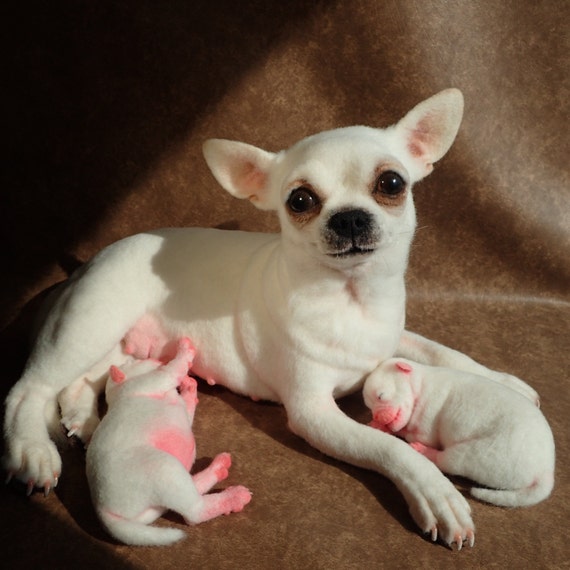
(241, 169)
(429, 128)
(117, 375)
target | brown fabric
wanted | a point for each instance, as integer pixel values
(106, 106)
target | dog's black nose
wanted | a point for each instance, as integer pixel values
(350, 223)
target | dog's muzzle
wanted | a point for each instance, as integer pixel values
(351, 232)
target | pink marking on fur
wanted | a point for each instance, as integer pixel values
(113, 515)
(428, 452)
(176, 443)
(117, 375)
(404, 367)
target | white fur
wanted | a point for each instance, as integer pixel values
(132, 465)
(469, 426)
(272, 316)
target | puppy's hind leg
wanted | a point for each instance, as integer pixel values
(217, 471)
(183, 496)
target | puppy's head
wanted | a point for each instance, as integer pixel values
(344, 196)
(388, 393)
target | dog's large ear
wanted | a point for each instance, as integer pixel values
(241, 169)
(429, 129)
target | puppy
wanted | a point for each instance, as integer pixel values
(139, 458)
(468, 426)
(299, 317)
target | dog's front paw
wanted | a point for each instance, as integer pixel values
(36, 463)
(440, 510)
(78, 405)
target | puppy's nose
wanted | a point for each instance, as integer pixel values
(350, 223)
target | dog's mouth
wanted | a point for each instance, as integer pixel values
(352, 251)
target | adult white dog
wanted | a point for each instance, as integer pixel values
(300, 317)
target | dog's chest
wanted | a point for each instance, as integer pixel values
(347, 334)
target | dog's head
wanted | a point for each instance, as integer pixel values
(344, 196)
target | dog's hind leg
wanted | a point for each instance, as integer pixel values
(86, 323)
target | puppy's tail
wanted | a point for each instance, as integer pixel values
(539, 490)
(139, 534)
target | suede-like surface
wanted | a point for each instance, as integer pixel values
(106, 107)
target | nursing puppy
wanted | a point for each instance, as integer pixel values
(299, 317)
(139, 458)
(468, 426)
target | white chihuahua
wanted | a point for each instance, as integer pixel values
(299, 317)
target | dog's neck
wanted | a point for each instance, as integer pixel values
(362, 281)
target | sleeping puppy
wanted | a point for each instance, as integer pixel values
(299, 317)
(468, 426)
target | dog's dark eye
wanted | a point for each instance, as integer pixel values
(302, 200)
(390, 183)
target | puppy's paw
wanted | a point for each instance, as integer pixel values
(34, 462)
(236, 498)
(221, 465)
(441, 511)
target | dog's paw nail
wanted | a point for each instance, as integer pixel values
(9, 476)
(434, 534)
(47, 489)
(30, 487)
